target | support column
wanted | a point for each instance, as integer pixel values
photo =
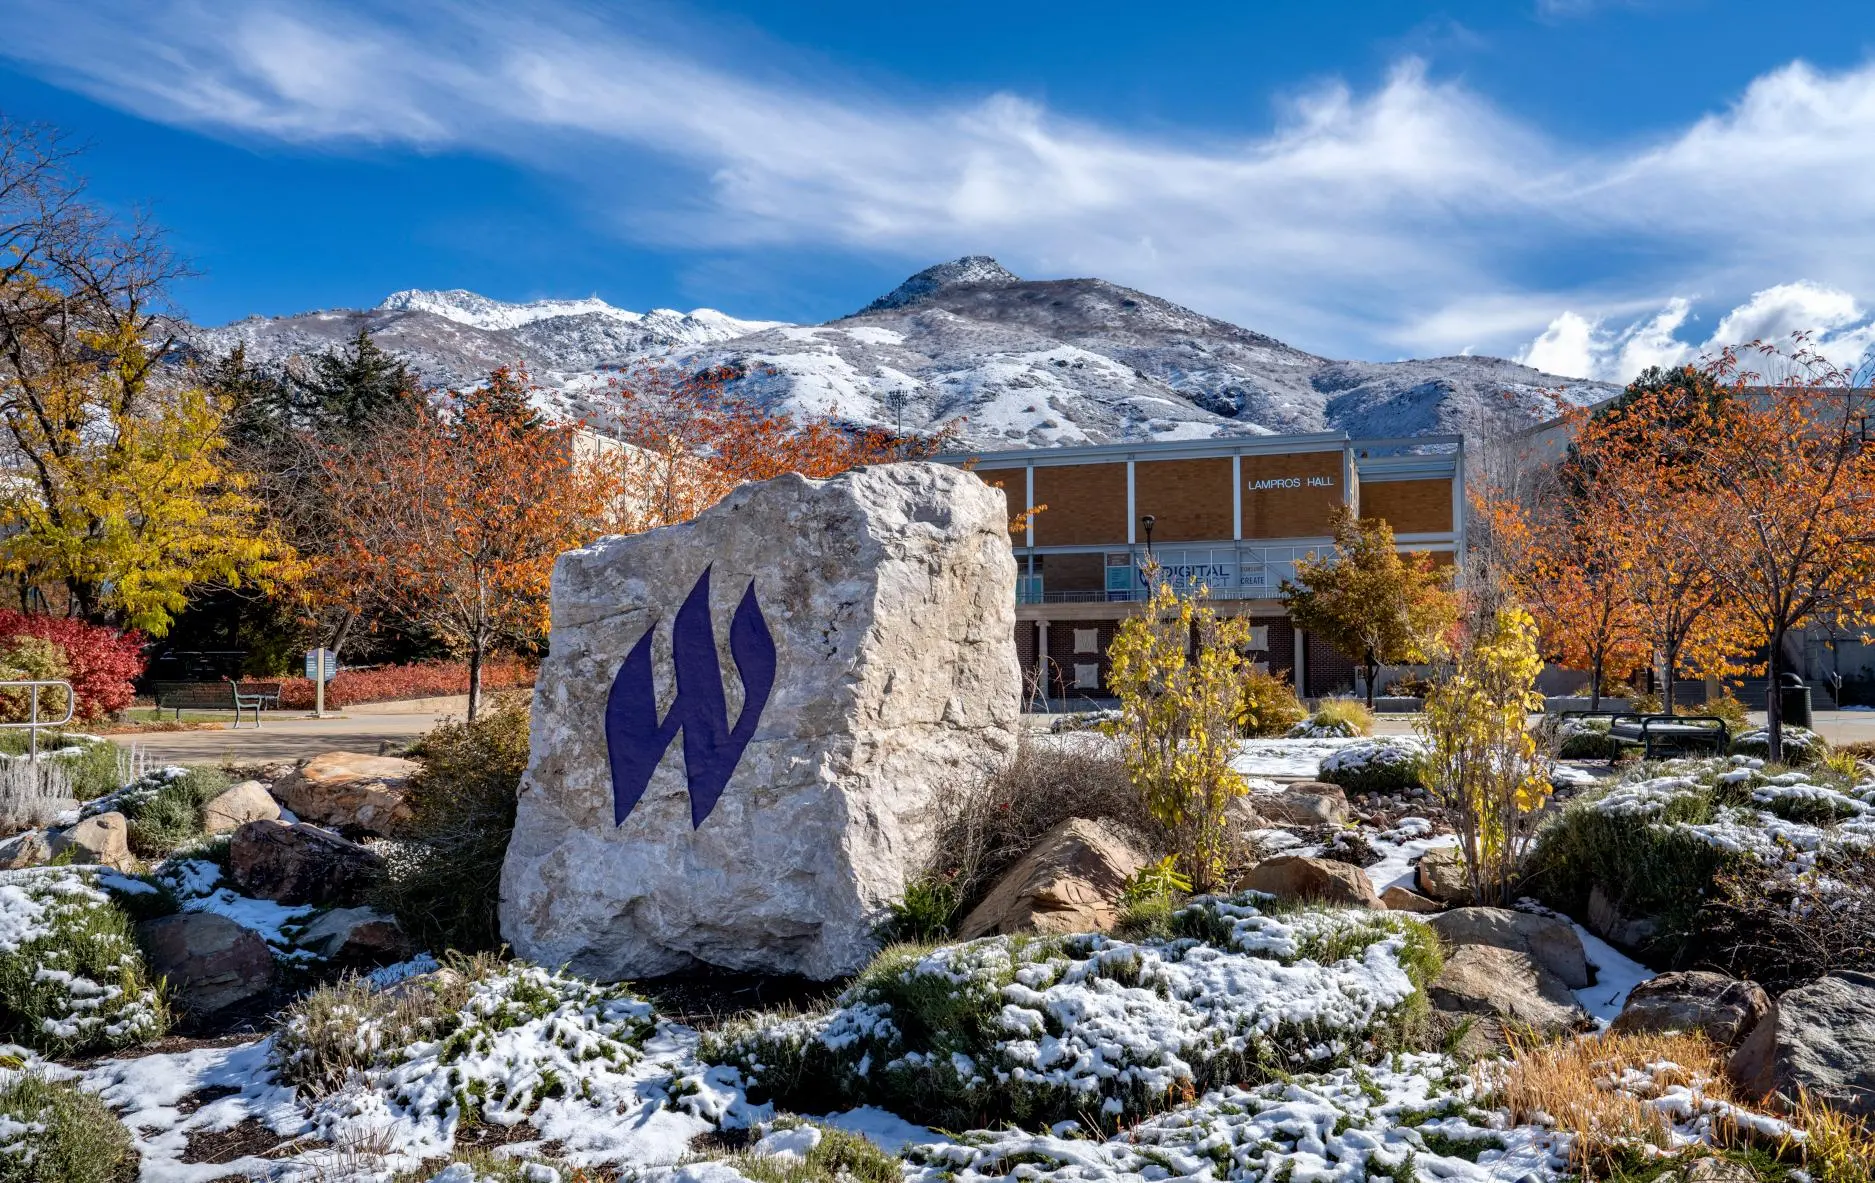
(1041, 660)
(1301, 679)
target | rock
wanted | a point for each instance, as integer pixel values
(355, 934)
(1608, 922)
(1506, 985)
(1552, 943)
(1304, 803)
(210, 961)
(298, 863)
(347, 791)
(867, 622)
(1293, 877)
(1399, 899)
(1070, 882)
(28, 849)
(102, 838)
(1819, 1038)
(1441, 876)
(1725, 1009)
(1719, 1170)
(233, 808)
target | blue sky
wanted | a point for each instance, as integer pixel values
(1591, 184)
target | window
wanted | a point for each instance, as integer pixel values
(1087, 640)
(1087, 675)
(1260, 638)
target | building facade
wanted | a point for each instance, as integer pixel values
(1232, 515)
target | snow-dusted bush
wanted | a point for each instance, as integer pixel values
(1039, 1030)
(1653, 844)
(1386, 766)
(1587, 739)
(482, 1040)
(71, 977)
(1801, 745)
(164, 807)
(55, 1132)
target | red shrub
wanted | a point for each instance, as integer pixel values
(390, 683)
(103, 660)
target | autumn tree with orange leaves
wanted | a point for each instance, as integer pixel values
(695, 440)
(1640, 491)
(1787, 523)
(451, 521)
(1561, 568)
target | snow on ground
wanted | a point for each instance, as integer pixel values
(1298, 759)
(1401, 847)
(195, 884)
(147, 1090)
(1616, 975)
(888, 1131)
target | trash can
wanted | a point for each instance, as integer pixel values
(1793, 700)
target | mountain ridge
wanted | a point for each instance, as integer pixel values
(1007, 362)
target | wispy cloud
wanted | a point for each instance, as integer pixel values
(1414, 217)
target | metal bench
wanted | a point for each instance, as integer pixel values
(1670, 735)
(208, 696)
(265, 695)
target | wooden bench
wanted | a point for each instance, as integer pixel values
(212, 696)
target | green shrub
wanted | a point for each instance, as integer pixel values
(924, 914)
(72, 979)
(444, 883)
(58, 1133)
(836, 1157)
(96, 766)
(1035, 1030)
(1334, 718)
(1727, 707)
(1270, 706)
(1389, 767)
(1588, 739)
(164, 807)
(1801, 745)
(1643, 869)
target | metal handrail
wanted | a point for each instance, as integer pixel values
(33, 721)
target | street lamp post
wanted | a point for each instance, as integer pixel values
(896, 401)
(1148, 521)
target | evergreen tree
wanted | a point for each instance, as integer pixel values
(353, 389)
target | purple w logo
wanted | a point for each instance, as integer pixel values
(636, 740)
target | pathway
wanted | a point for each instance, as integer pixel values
(292, 736)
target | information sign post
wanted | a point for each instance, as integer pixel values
(321, 667)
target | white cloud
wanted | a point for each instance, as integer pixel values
(1406, 218)
(1831, 321)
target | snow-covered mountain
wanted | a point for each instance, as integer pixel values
(1011, 362)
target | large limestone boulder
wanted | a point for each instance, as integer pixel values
(1295, 877)
(1818, 1039)
(840, 655)
(1725, 1009)
(350, 792)
(1071, 882)
(1552, 943)
(210, 962)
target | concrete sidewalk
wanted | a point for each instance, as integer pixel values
(294, 736)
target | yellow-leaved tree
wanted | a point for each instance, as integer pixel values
(1178, 670)
(114, 497)
(1482, 761)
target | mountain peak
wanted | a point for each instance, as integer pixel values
(970, 270)
(478, 311)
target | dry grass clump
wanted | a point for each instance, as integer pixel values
(338, 1030)
(983, 833)
(1617, 1096)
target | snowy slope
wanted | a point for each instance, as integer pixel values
(1007, 362)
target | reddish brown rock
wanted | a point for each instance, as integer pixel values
(1070, 882)
(299, 863)
(1293, 877)
(347, 791)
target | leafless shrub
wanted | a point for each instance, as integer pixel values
(1795, 926)
(983, 833)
